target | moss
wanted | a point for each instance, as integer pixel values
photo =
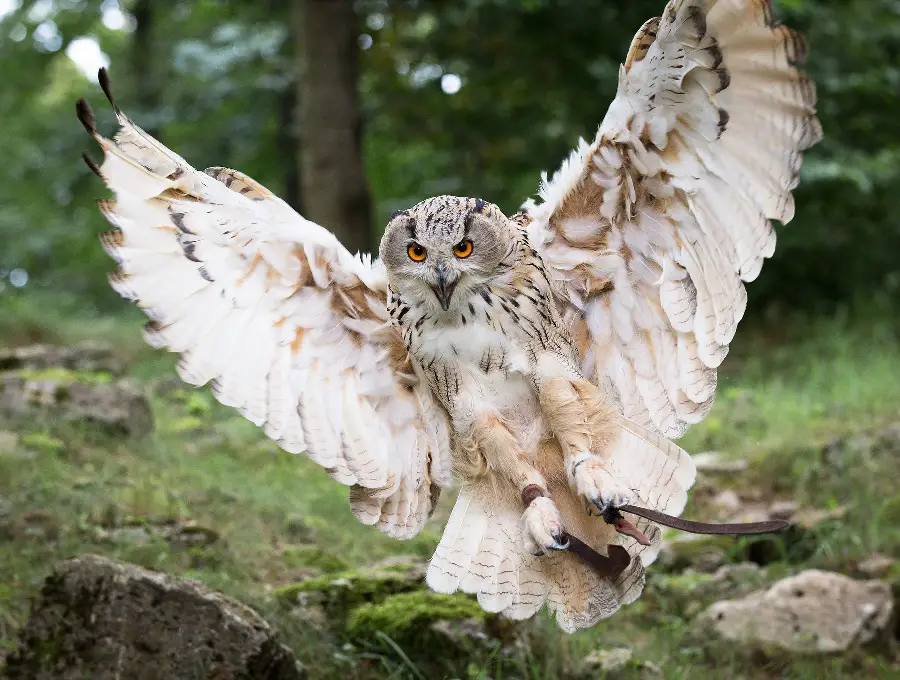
(407, 616)
(42, 442)
(66, 376)
(342, 592)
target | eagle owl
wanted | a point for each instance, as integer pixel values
(541, 359)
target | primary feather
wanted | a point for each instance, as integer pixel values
(283, 322)
(652, 229)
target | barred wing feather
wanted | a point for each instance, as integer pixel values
(651, 230)
(284, 323)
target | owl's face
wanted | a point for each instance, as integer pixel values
(442, 250)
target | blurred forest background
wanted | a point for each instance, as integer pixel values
(350, 110)
(473, 97)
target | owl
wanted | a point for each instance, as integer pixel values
(540, 361)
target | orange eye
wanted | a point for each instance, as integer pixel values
(416, 252)
(463, 248)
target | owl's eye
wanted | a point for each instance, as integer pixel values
(463, 248)
(416, 252)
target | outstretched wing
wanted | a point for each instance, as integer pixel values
(651, 230)
(286, 325)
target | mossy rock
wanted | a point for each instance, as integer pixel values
(342, 592)
(408, 618)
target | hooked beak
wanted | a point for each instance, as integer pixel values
(444, 287)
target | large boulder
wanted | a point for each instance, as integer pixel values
(814, 611)
(101, 619)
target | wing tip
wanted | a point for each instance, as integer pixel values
(106, 85)
(86, 115)
(92, 166)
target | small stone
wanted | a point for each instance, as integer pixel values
(463, 633)
(191, 536)
(617, 663)
(712, 462)
(608, 660)
(726, 502)
(131, 535)
(783, 509)
(814, 611)
(810, 518)
(8, 442)
(876, 566)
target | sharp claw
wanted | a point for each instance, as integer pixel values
(560, 541)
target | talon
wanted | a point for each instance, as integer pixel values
(561, 541)
(542, 527)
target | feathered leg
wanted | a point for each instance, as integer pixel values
(542, 527)
(587, 428)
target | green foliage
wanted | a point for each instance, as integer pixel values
(534, 76)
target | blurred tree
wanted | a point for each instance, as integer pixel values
(334, 189)
(469, 97)
(146, 62)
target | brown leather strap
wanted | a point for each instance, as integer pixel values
(608, 567)
(740, 528)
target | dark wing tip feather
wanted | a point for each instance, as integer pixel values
(106, 86)
(92, 165)
(86, 115)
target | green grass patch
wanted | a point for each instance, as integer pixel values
(809, 404)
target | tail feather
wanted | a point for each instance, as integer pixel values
(482, 551)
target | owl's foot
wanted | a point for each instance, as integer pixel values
(542, 528)
(598, 489)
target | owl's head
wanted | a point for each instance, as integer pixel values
(442, 250)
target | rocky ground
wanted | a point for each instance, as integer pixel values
(146, 532)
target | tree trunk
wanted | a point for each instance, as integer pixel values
(144, 66)
(334, 192)
(289, 142)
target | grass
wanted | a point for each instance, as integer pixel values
(799, 401)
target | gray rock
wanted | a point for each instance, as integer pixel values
(463, 633)
(814, 611)
(100, 619)
(88, 356)
(876, 566)
(726, 503)
(616, 663)
(8, 442)
(116, 406)
(712, 463)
